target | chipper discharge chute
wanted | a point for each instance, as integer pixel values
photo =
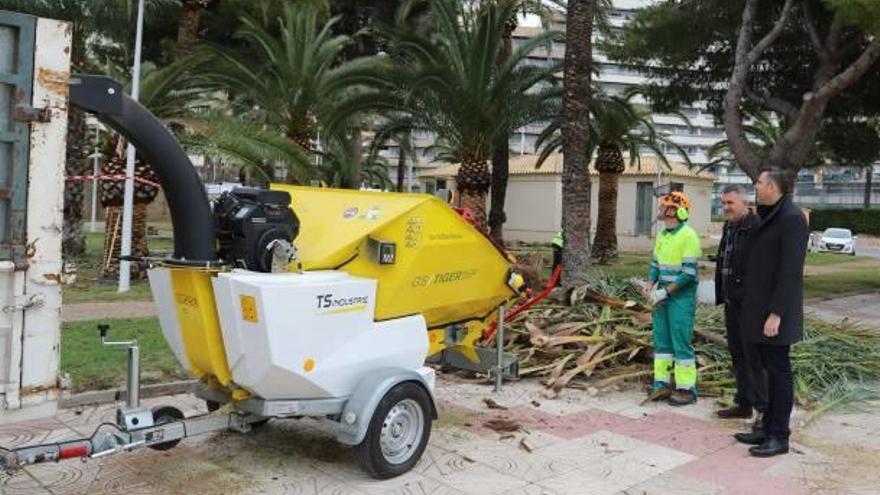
(298, 301)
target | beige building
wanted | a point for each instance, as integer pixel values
(534, 196)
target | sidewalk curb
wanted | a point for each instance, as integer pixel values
(118, 394)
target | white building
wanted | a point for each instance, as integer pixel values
(533, 203)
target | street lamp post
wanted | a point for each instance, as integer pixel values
(128, 204)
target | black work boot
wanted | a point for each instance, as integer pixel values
(682, 397)
(751, 438)
(772, 446)
(737, 411)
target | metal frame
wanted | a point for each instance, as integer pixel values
(349, 417)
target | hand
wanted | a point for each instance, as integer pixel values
(771, 326)
(658, 296)
(649, 287)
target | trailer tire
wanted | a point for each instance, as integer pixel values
(163, 415)
(398, 432)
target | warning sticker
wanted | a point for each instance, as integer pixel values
(249, 309)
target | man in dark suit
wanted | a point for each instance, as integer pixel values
(730, 273)
(773, 304)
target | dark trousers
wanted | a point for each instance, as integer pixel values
(751, 378)
(780, 389)
(557, 260)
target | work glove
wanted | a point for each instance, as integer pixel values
(658, 295)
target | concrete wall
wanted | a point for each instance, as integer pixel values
(626, 205)
(534, 207)
(700, 193)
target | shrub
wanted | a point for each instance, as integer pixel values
(860, 221)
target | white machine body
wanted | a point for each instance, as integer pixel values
(301, 335)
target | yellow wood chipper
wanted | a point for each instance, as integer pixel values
(291, 302)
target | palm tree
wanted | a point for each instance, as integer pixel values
(575, 125)
(763, 131)
(253, 147)
(450, 84)
(501, 146)
(618, 127)
(288, 72)
(347, 163)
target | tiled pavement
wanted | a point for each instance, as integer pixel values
(580, 444)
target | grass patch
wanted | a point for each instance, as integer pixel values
(94, 367)
(89, 289)
(859, 281)
(823, 259)
(855, 281)
(628, 265)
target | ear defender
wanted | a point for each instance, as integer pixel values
(682, 214)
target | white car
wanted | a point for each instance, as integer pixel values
(836, 241)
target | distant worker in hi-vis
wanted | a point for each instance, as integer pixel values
(672, 289)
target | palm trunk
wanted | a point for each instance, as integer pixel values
(73, 238)
(188, 27)
(869, 183)
(112, 198)
(575, 135)
(351, 178)
(401, 168)
(113, 242)
(605, 243)
(500, 175)
(473, 184)
(501, 154)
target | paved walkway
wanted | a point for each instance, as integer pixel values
(863, 308)
(577, 444)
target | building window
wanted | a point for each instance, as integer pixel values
(441, 183)
(429, 188)
(676, 186)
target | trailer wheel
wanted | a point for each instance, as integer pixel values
(164, 415)
(398, 432)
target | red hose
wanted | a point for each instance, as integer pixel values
(551, 284)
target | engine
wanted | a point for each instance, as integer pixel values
(255, 228)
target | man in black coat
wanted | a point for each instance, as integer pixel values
(773, 304)
(730, 273)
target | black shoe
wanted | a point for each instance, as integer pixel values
(751, 438)
(736, 412)
(682, 398)
(771, 447)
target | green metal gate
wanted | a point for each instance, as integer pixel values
(16, 81)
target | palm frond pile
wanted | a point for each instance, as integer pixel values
(600, 337)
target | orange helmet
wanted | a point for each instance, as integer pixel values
(679, 201)
(675, 199)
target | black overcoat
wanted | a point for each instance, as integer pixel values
(774, 279)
